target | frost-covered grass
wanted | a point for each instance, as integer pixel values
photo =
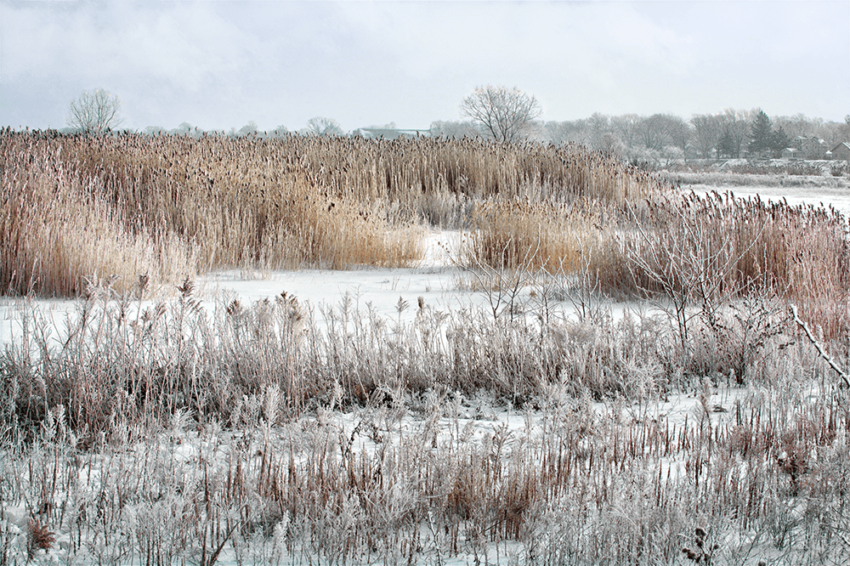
(765, 172)
(441, 478)
(694, 249)
(835, 197)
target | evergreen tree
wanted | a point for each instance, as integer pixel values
(779, 141)
(726, 144)
(761, 135)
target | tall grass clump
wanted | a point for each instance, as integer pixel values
(566, 239)
(704, 251)
(172, 206)
(724, 270)
(410, 170)
(700, 252)
(560, 231)
(122, 360)
(57, 227)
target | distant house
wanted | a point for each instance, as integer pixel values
(841, 151)
(791, 153)
(813, 148)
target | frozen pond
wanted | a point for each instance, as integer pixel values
(391, 293)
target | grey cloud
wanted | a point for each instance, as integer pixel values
(221, 64)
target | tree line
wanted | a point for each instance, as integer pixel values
(510, 115)
(728, 134)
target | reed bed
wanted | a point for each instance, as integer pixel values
(707, 251)
(119, 360)
(168, 206)
(700, 252)
(159, 433)
(78, 207)
(539, 236)
(56, 229)
(779, 169)
(152, 429)
(725, 180)
(404, 170)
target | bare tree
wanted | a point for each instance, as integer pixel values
(651, 132)
(797, 125)
(186, 129)
(662, 130)
(707, 132)
(598, 126)
(279, 132)
(575, 131)
(94, 112)
(248, 129)
(319, 126)
(626, 128)
(679, 133)
(611, 145)
(844, 129)
(504, 114)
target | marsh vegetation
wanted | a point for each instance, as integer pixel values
(701, 424)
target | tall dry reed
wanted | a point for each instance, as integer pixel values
(719, 247)
(171, 206)
(701, 252)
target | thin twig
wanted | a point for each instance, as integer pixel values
(823, 354)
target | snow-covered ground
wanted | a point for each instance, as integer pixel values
(447, 425)
(457, 421)
(435, 279)
(392, 293)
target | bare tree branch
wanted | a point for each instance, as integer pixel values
(320, 126)
(94, 112)
(505, 114)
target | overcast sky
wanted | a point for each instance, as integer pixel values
(219, 65)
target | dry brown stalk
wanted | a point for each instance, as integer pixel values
(578, 482)
(39, 537)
